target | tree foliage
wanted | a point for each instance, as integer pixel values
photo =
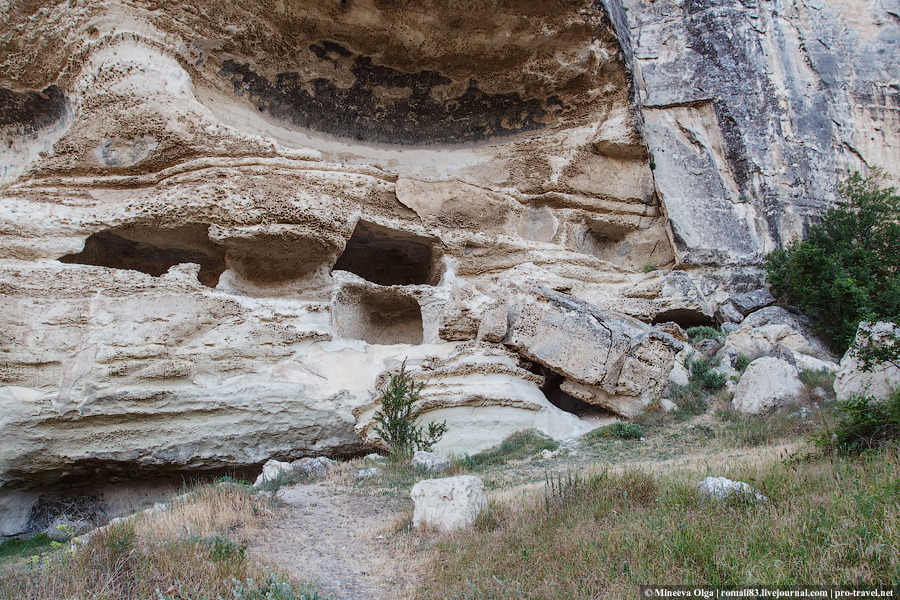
(397, 417)
(847, 269)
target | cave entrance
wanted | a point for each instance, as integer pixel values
(387, 256)
(153, 251)
(377, 317)
(559, 398)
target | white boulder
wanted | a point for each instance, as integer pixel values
(448, 503)
(882, 381)
(271, 470)
(430, 461)
(768, 382)
(722, 488)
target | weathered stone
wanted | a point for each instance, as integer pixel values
(722, 488)
(570, 336)
(271, 471)
(675, 297)
(782, 353)
(750, 302)
(673, 329)
(430, 461)
(367, 473)
(727, 313)
(449, 503)
(314, 467)
(883, 380)
(708, 347)
(767, 383)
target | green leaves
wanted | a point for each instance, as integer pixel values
(847, 269)
(396, 420)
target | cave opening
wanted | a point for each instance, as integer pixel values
(377, 317)
(557, 397)
(387, 256)
(152, 251)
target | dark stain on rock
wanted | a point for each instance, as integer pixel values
(30, 112)
(386, 105)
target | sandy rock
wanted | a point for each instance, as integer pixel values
(271, 470)
(667, 405)
(727, 313)
(449, 503)
(722, 488)
(781, 352)
(767, 383)
(548, 454)
(318, 467)
(750, 302)
(673, 329)
(430, 461)
(882, 381)
(367, 473)
(708, 347)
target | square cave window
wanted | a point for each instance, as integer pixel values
(377, 317)
(387, 256)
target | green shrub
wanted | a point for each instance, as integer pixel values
(648, 267)
(396, 419)
(741, 362)
(861, 423)
(847, 269)
(519, 445)
(703, 374)
(704, 332)
(623, 431)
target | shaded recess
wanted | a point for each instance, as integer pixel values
(387, 256)
(559, 398)
(383, 317)
(153, 251)
(386, 105)
(29, 112)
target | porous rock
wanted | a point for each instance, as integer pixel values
(722, 488)
(430, 461)
(767, 383)
(271, 470)
(449, 503)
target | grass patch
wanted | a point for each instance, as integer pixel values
(194, 548)
(517, 446)
(831, 521)
(622, 431)
(14, 550)
(703, 332)
(823, 379)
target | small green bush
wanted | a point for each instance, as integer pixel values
(741, 362)
(396, 419)
(704, 332)
(703, 374)
(847, 269)
(648, 267)
(862, 423)
(622, 431)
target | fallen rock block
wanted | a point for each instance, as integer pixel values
(879, 383)
(370, 472)
(314, 467)
(271, 470)
(722, 488)
(751, 301)
(430, 461)
(768, 382)
(448, 503)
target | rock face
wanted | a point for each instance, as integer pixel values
(448, 503)
(222, 225)
(767, 383)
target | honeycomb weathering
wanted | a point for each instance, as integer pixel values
(371, 181)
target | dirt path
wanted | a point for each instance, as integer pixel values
(337, 538)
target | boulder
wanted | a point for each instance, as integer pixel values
(727, 313)
(673, 329)
(367, 473)
(882, 380)
(762, 330)
(271, 470)
(768, 382)
(607, 359)
(430, 461)
(722, 488)
(314, 467)
(448, 503)
(708, 347)
(781, 352)
(750, 302)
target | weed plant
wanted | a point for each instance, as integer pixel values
(704, 332)
(517, 446)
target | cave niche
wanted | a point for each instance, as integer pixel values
(384, 317)
(153, 251)
(387, 256)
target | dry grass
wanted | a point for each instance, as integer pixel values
(193, 548)
(603, 535)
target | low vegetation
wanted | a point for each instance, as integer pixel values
(515, 447)
(396, 420)
(704, 332)
(194, 548)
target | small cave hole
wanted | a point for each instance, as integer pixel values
(387, 257)
(377, 317)
(559, 398)
(152, 251)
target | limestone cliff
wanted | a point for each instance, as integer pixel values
(222, 224)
